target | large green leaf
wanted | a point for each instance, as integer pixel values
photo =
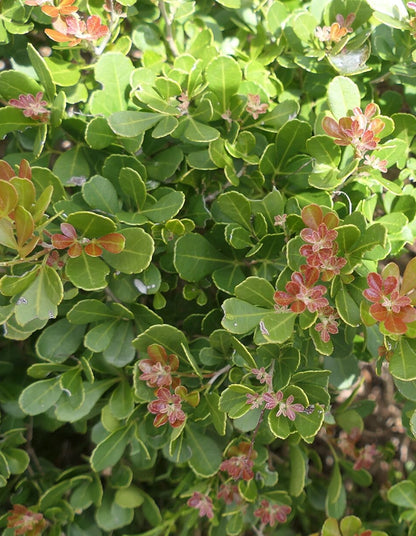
(223, 75)
(167, 336)
(40, 396)
(12, 119)
(58, 341)
(206, 454)
(41, 299)
(109, 451)
(136, 255)
(403, 361)
(195, 257)
(130, 123)
(88, 273)
(343, 96)
(234, 400)
(42, 70)
(241, 317)
(100, 194)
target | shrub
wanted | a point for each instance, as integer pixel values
(204, 214)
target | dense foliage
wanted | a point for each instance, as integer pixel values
(203, 212)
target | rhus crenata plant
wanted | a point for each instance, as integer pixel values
(207, 272)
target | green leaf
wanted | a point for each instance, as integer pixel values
(393, 8)
(278, 327)
(120, 350)
(17, 460)
(347, 309)
(93, 391)
(309, 424)
(42, 70)
(343, 96)
(70, 164)
(402, 364)
(108, 452)
(241, 317)
(130, 123)
(14, 83)
(58, 341)
(195, 257)
(232, 207)
(113, 70)
(72, 387)
(336, 497)
(279, 426)
(290, 141)
(87, 311)
(64, 73)
(133, 186)
(167, 336)
(136, 255)
(233, 400)
(324, 150)
(110, 516)
(165, 208)
(206, 454)
(199, 132)
(99, 337)
(121, 400)
(298, 463)
(12, 119)
(41, 299)
(40, 396)
(403, 494)
(219, 418)
(130, 497)
(100, 194)
(90, 224)
(98, 133)
(88, 273)
(223, 75)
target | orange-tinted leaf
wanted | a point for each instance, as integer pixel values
(331, 127)
(8, 198)
(113, 242)
(6, 171)
(61, 242)
(409, 277)
(69, 230)
(29, 247)
(62, 38)
(312, 216)
(24, 225)
(75, 250)
(93, 249)
(51, 11)
(157, 353)
(24, 170)
(331, 220)
(395, 325)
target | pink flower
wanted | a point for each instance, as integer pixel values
(358, 130)
(376, 163)
(25, 522)
(270, 513)
(238, 467)
(168, 408)
(272, 399)
(322, 238)
(288, 409)
(254, 107)
(301, 293)
(229, 493)
(157, 370)
(365, 458)
(328, 325)
(280, 220)
(37, 2)
(203, 503)
(389, 306)
(32, 106)
(262, 376)
(255, 400)
(411, 5)
(346, 23)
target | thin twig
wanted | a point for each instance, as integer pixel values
(168, 23)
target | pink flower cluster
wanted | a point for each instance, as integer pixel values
(359, 130)
(389, 305)
(363, 457)
(157, 373)
(337, 30)
(68, 26)
(240, 466)
(322, 262)
(270, 513)
(254, 107)
(286, 408)
(32, 106)
(203, 503)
